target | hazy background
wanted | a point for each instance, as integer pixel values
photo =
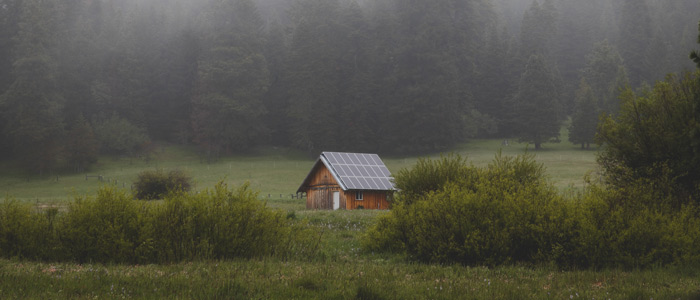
(79, 78)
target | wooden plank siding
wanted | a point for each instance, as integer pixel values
(370, 200)
(321, 188)
(322, 197)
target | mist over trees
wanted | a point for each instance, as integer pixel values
(80, 77)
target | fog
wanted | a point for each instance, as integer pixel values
(390, 76)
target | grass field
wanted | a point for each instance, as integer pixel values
(340, 270)
(273, 171)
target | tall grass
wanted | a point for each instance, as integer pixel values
(369, 277)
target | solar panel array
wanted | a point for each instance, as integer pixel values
(360, 171)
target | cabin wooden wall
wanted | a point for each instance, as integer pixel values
(370, 200)
(321, 188)
(322, 198)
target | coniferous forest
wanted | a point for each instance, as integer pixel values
(80, 78)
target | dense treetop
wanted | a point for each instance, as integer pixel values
(391, 76)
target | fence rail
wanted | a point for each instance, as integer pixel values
(102, 178)
(109, 180)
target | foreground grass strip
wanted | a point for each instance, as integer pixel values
(374, 279)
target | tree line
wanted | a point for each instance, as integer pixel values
(84, 77)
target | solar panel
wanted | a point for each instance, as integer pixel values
(365, 159)
(341, 170)
(332, 158)
(360, 171)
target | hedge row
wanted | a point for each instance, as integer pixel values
(509, 213)
(115, 228)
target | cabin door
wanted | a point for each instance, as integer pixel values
(336, 200)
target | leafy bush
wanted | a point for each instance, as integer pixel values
(492, 215)
(655, 137)
(156, 184)
(615, 227)
(220, 224)
(114, 228)
(431, 175)
(103, 229)
(23, 233)
(509, 213)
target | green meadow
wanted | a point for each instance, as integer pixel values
(340, 269)
(272, 171)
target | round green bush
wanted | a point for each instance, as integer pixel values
(155, 184)
(493, 215)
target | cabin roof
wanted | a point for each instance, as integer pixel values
(354, 171)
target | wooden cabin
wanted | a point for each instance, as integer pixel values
(341, 180)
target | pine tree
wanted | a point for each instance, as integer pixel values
(695, 55)
(81, 147)
(606, 75)
(427, 110)
(585, 118)
(498, 79)
(314, 78)
(538, 29)
(358, 105)
(275, 100)
(227, 106)
(573, 42)
(168, 109)
(78, 55)
(9, 23)
(636, 37)
(126, 74)
(536, 110)
(32, 107)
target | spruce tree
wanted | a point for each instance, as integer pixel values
(316, 74)
(695, 55)
(636, 39)
(81, 146)
(538, 29)
(9, 23)
(358, 105)
(427, 110)
(32, 107)
(275, 100)
(536, 110)
(227, 106)
(585, 118)
(606, 75)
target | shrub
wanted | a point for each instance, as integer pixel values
(220, 224)
(114, 228)
(156, 184)
(492, 216)
(630, 228)
(431, 175)
(101, 229)
(654, 137)
(508, 213)
(24, 233)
